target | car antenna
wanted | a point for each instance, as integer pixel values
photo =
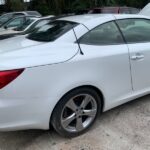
(81, 52)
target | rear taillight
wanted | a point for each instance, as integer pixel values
(8, 76)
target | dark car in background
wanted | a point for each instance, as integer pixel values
(114, 10)
(82, 11)
(7, 16)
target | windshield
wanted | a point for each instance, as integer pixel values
(40, 23)
(35, 26)
(51, 31)
(27, 22)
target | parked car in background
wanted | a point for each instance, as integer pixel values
(29, 25)
(114, 10)
(145, 10)
(7, 16)
(82, 11)
(16, 22)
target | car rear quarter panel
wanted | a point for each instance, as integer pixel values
(28, 101)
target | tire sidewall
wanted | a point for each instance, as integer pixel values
(56, 115)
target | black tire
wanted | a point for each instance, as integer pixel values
(57, 113)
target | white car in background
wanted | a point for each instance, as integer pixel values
(22, 25)
(16, 22)
(71, 70)
(7, 16)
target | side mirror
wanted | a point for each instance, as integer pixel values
(5, 27)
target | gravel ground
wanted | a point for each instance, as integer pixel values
(124, 128)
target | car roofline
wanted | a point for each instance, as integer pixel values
(100, 16)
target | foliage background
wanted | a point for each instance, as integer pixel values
(68, 6)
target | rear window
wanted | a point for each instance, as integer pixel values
(52, 31)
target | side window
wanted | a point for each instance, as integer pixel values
(16, 22)
(135, 30)
(105, 34)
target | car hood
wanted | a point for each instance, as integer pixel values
(146, 10)
(20, 52)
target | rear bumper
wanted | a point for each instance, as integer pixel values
(20, 114)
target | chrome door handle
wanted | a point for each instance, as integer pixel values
(137, 56)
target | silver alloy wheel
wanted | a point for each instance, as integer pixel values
(78, 113)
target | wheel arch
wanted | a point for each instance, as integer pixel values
(99, 92)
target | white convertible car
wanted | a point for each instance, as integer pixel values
(71, 70)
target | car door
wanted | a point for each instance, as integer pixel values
(108, 54)
(137, 35)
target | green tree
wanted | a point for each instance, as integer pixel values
(14, 5)
(58, 6)
(132, 3)
(42, 6)
(17, 5)
(8, 5)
